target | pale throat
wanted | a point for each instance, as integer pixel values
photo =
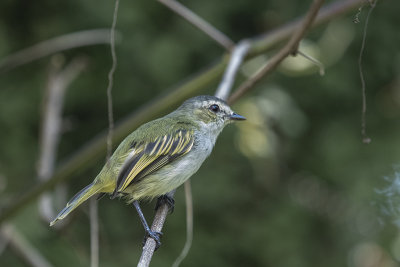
(211, 130)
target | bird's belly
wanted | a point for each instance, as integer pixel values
(168, 177)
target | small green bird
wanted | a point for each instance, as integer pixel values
(159, 156)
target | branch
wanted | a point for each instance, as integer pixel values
(111, 82)
(290, 48)
(94, 216)
(315, 61)
(94, 232)
(93, 150)
(55, 45)
(200, 23)
(365, 138)
(158, 223)
(265, 42)
(236, 60)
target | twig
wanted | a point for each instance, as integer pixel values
(94, 217)
(200, 23)
(236, 60)
(55, 45)
(92, 151)
(22, 247)
(366, 139)
(110, 82)
(189, 224)
(288, 49)
(59, 80)
(314, 61)
(94, 233)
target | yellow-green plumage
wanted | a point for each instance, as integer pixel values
(160, 155)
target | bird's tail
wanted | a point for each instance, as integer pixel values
(78, 199)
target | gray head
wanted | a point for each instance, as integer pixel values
(210, 110)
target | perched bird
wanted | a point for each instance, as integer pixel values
(159, 156)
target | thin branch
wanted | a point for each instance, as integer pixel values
(94, 232)
(236, 60)
(59, 80)
(55, 45)
(92, 151)
(200, 23)
(110, 82)
(189, 224)
(314, 61)
(22, 247)
(264, 42)
(366, 139)
(290, 48)
(94, 216)
(157, 225)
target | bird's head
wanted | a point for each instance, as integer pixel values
(209, 111)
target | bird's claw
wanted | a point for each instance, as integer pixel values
(166, 199)
(154, 235)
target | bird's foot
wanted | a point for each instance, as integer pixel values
(165, 199)
(155, 235)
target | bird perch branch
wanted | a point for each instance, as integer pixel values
(158, 223)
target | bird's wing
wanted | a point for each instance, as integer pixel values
(144, 159)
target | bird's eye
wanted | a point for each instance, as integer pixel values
(214, 108)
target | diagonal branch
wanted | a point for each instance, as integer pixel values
(287, 50)
(200, 23)
(27, 251)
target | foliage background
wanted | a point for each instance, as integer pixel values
(292, 186)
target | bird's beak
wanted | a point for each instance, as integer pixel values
(236, 117)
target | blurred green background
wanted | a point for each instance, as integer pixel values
(292, 186)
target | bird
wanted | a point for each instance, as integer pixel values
(159, 156)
